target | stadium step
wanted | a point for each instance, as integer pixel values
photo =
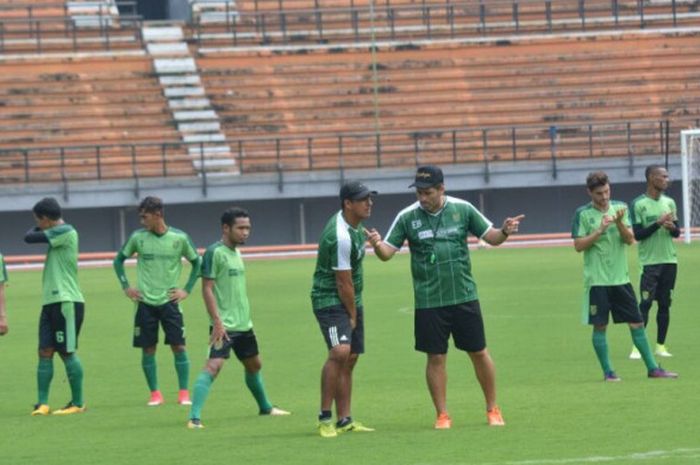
(195, 118)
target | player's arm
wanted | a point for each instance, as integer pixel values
(498, 236)
(381, 249)
(178, 295)
(346, 292)
(623, 227)
(582, 243)
(118, 264)
(673, 228)
(218, 331)
(3, 310)
(36, 236)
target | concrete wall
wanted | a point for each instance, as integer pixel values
(279, 221)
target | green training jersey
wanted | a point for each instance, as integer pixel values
(225, 266)
(340, 248)
(440, 262)
(3, 270)
(605, 262)
(159, 263)
(657, 248)
(60, 277)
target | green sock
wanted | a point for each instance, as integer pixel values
(254, 382)
(182, 367)
(44, 375)
(639, 338)
(200, 392)
(600, 344)
(74, 371)
(148, 362)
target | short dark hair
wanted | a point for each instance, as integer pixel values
(152, 204)
(651, 169)
(230, 215)
(596, 179)
(47, 207)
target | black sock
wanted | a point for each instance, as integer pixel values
(344, 422)
(325, 415)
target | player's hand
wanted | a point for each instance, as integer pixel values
(353, 323)
(620, 214)
(3, 327)
(177, 295)
(373, 236)
(218, 334)
(133, 294)
(606, 221)
(511, 225)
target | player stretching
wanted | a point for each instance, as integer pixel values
(601, 230)
(655, 225)
(160, 249)
(63, 310)
(226, 299)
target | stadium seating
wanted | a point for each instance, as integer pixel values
(51, 103)
(529, 85)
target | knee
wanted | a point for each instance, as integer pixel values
(175, 348)
(339, 354)
(46, 353)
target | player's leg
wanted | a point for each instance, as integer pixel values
(245, 346)
(202, 385)
(174, 329)
(470, 336)
(146, 337)
(599, 310)
(337, 333)
(664, 293)
(44, 372)
(72, 315)
(648, 283)
(343, 399)
(431, 329)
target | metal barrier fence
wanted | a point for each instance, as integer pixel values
(32, 31)
(431, 20)
(480, 146)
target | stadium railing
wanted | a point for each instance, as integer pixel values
(483, 146)
(28, 28)
(272, 23)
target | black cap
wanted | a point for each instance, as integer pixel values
(427, 176)
(355, 190)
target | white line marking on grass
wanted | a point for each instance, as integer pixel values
(682, 453)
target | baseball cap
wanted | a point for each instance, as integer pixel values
(355, 190)
(427, 176)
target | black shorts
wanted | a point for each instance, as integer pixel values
(433, 326)
(243, 343)
(619, 301)
(146, 324)
(335, 327)
(657, 283)
(59, 326)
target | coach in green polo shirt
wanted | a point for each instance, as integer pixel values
(655, 223)
(601, 230)
(446, 300)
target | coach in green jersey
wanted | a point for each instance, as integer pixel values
(655, 223)
(446, 300)
(601, 230)
(336, 298)
(3, 309)
(226, 299)
(160, 249)
(63, 305)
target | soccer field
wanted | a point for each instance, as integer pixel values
(556, 406)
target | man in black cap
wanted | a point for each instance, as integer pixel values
(446, 302)
(336, 297)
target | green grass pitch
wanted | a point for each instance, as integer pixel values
(557, 409)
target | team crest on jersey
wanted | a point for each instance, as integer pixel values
(176, 244)
(455, 216)
(416, 224)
